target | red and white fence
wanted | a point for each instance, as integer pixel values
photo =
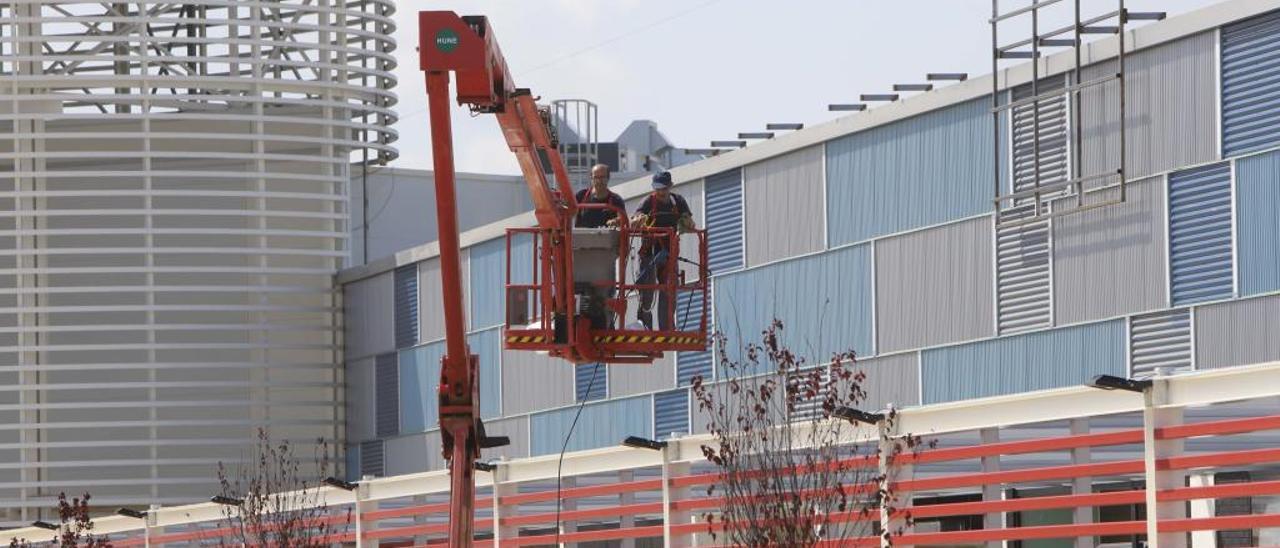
(1073, 463)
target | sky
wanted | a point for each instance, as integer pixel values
(708, 69)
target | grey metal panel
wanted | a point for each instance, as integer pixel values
(1250, 89)
(359, 400)
(516, 429)
(934, 286)
(430, 307)
(413, 454)
(406, 305)
(488, 275)
(1237, 332)
(590, 382)
(1021, 363)
(602, 424)
(533, 382)
(386, 397)
(1170, 109)
(369, 316)
(1201, 242)
(724, 222)
(628, 379)
(783, 202)
(1160, 341)
(891, 380)
(823, 300)
(1110, 261)
(671, 413)
(925, 170)
(1258, 222)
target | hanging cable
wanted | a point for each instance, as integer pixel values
(569, 435)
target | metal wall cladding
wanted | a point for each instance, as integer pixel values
(1170, 109)
(369, 316)
(602, 424)
(1200, 241)
(487, 345)
(419, 379)
(386, 398)
(1160, 341)
(488, 273)
(934, 286)
(1258, 223)
(359, 400)
(1021, 363)
(430, 297)
(590, 382)
(724, 222)
(929, 169)
(1250, 90)
(423, 452)
(1237, 332)
(628, 379)
(783, 202)
(823, 301)
(533, 382)
(671, 413)
(1110, 261)
(406, 305)
(1024, 272)
(688, 316)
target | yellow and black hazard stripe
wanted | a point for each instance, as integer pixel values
(525, 339)
(647, 339)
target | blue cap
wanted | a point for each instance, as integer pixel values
(662, 180)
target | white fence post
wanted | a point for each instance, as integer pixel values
(1153, 417)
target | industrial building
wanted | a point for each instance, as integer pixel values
(878, 232)
(175, 189)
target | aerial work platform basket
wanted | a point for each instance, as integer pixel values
(610, 268)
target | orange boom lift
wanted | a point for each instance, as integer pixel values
(574, 305)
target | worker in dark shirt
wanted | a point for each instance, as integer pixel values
(661, 209)
(599, 193)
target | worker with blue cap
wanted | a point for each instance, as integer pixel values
(661, 209)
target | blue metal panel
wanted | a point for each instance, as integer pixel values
(1251, 85)
(1200, 261)
(823, 301)
(406, 304)
(921, 171)
(1258, 222)
(1020, 363)
(602, 424)
(386, 395)
(487, 345)
(419, 377)
(671, 413)
(590, 382)
(724, 222)
(488, 280)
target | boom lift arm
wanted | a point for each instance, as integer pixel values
(467, 47)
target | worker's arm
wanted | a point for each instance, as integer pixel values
(686, 222)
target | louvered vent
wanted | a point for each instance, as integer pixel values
(1023, 272)
(724, 222)
(590, 381)
(386, 395)
(1250, 90)
(372, 461)
(809, 406)
(1160, 340)
(406, 306)
(671, 413)
(1200, 253)
(1047, 149)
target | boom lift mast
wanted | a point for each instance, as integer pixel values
(577, 315)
